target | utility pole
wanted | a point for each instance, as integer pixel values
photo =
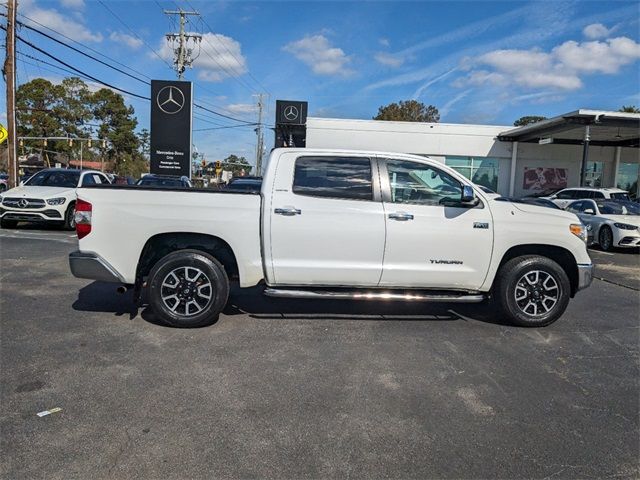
(10, 76)
(180, 41)
(260, 139)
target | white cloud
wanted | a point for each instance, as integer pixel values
(126, 39)
(317, 53)
(62, 23)
(389, 59)
(220, 57)
(384, 42)
(241, 108)
(75, 4)
(559, 69)
(596, 30)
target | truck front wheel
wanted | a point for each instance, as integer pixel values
(188, 288)
(532, 291)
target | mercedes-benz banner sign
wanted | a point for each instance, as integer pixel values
(171, 105)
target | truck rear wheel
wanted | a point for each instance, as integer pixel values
(532, 291)
(188, 288)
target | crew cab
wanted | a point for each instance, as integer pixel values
(333, 224)
(49, 197)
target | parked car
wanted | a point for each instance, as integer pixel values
(541, 202)
(49, 196)
(564, 197)
(245, 184)
(334, 224)
(164, 181)
(611, 223)
(122, 180)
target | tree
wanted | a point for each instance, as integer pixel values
(117, 125)
(629, 109)
(408, 111)
(527, 120)
(236, 164)
(144, 142)
(39, 110)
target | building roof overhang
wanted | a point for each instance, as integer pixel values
(611, 129)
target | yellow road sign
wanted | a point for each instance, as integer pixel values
(3, 134)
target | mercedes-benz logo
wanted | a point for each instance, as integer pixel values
(170, 99)
(290, 113)
(23, 203)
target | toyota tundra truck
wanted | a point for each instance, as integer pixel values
(333, 224)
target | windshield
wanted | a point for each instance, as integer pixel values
(620, 196)
(618, 208)
(57, 178)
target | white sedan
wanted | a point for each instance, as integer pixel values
(610, 223)
(49, 196)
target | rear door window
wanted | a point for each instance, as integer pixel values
(333, 177)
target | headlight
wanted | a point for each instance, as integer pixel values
(625, 226)
(56, 201)
(579, 231)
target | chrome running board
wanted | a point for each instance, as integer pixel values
(373, 295)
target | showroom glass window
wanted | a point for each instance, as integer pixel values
(480, 170)
(417, 183)
(333, 177)
(628, 175)
(593, 174)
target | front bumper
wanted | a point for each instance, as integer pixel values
(585, 275)
(93, 266)
(48, 215)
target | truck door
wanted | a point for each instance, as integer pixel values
(430, 245)
(327, 224)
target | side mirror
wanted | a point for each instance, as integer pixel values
(21, 183)
(589, 211)
(467, 194)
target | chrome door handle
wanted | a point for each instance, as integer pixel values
(401, 216)
(288, 212)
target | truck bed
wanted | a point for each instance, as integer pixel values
(125, 217)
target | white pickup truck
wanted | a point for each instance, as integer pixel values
(333, 224)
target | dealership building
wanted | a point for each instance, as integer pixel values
(600, 146)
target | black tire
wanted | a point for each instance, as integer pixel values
(175, 276)
(69, 217)
(605, 238)
(542, 301)
(8, 223)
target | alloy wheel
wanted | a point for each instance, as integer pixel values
(536, 293)
(186, 291)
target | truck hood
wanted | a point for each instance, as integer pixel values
(27, 191)
(524, 207)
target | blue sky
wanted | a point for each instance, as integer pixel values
(478, 62)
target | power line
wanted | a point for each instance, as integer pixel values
(83, 53)
(227, 126)
(75, 69)
(85, 46)
(60, 69)
(135, 34)
(232, 54)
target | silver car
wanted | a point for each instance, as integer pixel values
(610, 223)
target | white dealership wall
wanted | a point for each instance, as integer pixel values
(439, 140)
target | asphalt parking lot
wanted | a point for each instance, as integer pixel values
(310, 389)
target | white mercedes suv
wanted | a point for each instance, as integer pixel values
(49, 196)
